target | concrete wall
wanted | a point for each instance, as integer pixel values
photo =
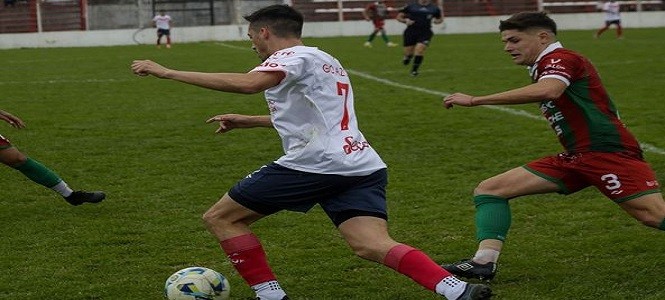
(320, 29)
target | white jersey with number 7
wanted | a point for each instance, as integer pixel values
(312, 110)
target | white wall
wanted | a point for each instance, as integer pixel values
(320, 29)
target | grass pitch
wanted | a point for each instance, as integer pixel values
(144, 142)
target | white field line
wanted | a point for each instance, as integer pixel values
(517, 112)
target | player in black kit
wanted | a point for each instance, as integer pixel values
(418, 17)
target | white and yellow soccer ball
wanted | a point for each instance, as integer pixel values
(197, 283)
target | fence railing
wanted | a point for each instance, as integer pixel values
(18, 16)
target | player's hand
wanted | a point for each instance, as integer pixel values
(148, 67)
(13, 121)
(458, 99)
(228, 122)
(408, 22)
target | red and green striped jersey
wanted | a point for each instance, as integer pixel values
(584, 116)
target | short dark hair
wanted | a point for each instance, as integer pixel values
(283, 20)
(526, 20)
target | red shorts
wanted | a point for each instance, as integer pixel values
(619, 176)
(378, 23)
(4, 143)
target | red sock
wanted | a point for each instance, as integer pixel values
(247, 256)
(168, 40)
(415, 264)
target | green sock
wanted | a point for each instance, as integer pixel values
(384, 37)
(492, 217)
(39, 173)
(371, 37)
(662, 225)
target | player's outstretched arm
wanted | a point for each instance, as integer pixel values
(545, 89)
(242, 83)
(227, 122)
(14, 121)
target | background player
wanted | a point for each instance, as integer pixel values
(418, 18)
(327, 159)
(612, 11)
(599, 150)
(164, 24)
(377, 12)
(37, 172)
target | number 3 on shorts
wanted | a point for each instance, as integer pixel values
(612, 181)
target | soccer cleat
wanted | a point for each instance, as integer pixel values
(80, 197)
(368, 44)
(391, 44)
(467, 268)
(168, 46)
(414, 73)
(476, 292)
(259, 298)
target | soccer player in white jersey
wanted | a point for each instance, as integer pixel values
(327, 159)
(163, 23)
(612, 11)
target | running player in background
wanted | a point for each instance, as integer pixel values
(612, 11)
(38, 173)
(598, 149)
(164, 24)
(327, 159)
(418, 18)
(377, 12)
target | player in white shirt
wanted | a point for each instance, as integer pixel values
(163, 23)
(612, 11)
(327, 159)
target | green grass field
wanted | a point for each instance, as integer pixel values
(144, 142)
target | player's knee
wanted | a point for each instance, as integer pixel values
(214, 219)
(12, 157)
(365, 251)
(487, 187)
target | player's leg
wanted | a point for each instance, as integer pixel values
(601, 30)
(648, 209)
(168, 38)
(371, 37)
(42, 175)
(493, 218)
(409, 42)
(229, 222)
(159, 38)
(368, 237)
(360, 214)
(418, 56)
(619, 29)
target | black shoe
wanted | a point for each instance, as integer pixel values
(285, 298)
(406, 62)
(467, 268)
(414, 73)
(80, 197)
(476, 292)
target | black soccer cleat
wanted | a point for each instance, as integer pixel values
(80, 197)
(467, 268)
(414, 73)
(476, 292)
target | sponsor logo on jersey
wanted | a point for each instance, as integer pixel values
(353, 145)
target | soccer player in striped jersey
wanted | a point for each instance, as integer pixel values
(38, 173)
(598, 149)
(327, 160)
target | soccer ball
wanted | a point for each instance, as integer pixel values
(197, 283)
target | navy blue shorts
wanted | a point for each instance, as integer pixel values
(413, 36)
(273, 188)
(166, 32)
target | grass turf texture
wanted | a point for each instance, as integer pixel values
(144, 142)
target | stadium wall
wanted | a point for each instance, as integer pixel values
(452, 25)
